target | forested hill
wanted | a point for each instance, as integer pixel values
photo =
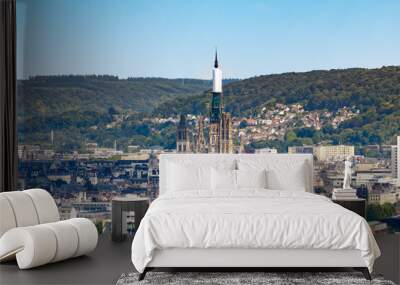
(80, 108)
(375, 89)
(374, 92)
(56, 95)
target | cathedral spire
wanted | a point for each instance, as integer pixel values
(216, 59)
(217, 75)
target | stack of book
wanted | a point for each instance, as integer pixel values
(344, 194)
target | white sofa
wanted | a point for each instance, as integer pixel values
(31, 230)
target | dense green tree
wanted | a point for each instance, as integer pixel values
(377, 212)
(305, 132)
(290, 136)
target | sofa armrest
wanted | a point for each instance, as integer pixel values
(32, 246)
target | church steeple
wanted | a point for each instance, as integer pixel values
(217, 104)
(216, 60)
(220, 123)
(217, 76)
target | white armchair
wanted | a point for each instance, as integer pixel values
(31, 230)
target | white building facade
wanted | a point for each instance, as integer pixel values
(333, 152)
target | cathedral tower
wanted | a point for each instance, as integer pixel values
(225, 135)
(200, 140)
(220, 128)
(182, 136)
(217, 104)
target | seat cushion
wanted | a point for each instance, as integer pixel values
(87, 235)
(23, 208)
(7, 220)
(46, 208)
(67, 240)
(26, 208)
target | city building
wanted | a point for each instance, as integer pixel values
(59, 175)
(301, 149)
(91, 147)
(34, 152)
(153, 178)
(386, 150)
(398, 159)
(133, 148)
(333, 152)
(106, 152)
(182, 136)
(381, 198)
(395, 160)
(365, 176)
(95, 211)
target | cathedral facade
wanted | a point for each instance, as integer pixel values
(220, 133)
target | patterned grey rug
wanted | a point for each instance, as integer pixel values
(236, 278)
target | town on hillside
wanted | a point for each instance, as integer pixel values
(84, 182)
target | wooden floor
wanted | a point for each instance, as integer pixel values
(110, 260)
(103, 266)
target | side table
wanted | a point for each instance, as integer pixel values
(358, 205)
(121, 215)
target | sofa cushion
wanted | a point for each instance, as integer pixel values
(87, 235)
(67, 240)
(23, 208)
(7, 220)
(46, 208)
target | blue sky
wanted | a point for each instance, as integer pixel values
(177, 38)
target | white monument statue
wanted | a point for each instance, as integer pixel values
(348, 171)
(346, 192)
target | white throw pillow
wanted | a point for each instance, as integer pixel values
(251, 179)
(185, 177)
(223, 179)
(289, 176)
(282, 173)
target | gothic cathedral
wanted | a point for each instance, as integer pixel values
(219, 128)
